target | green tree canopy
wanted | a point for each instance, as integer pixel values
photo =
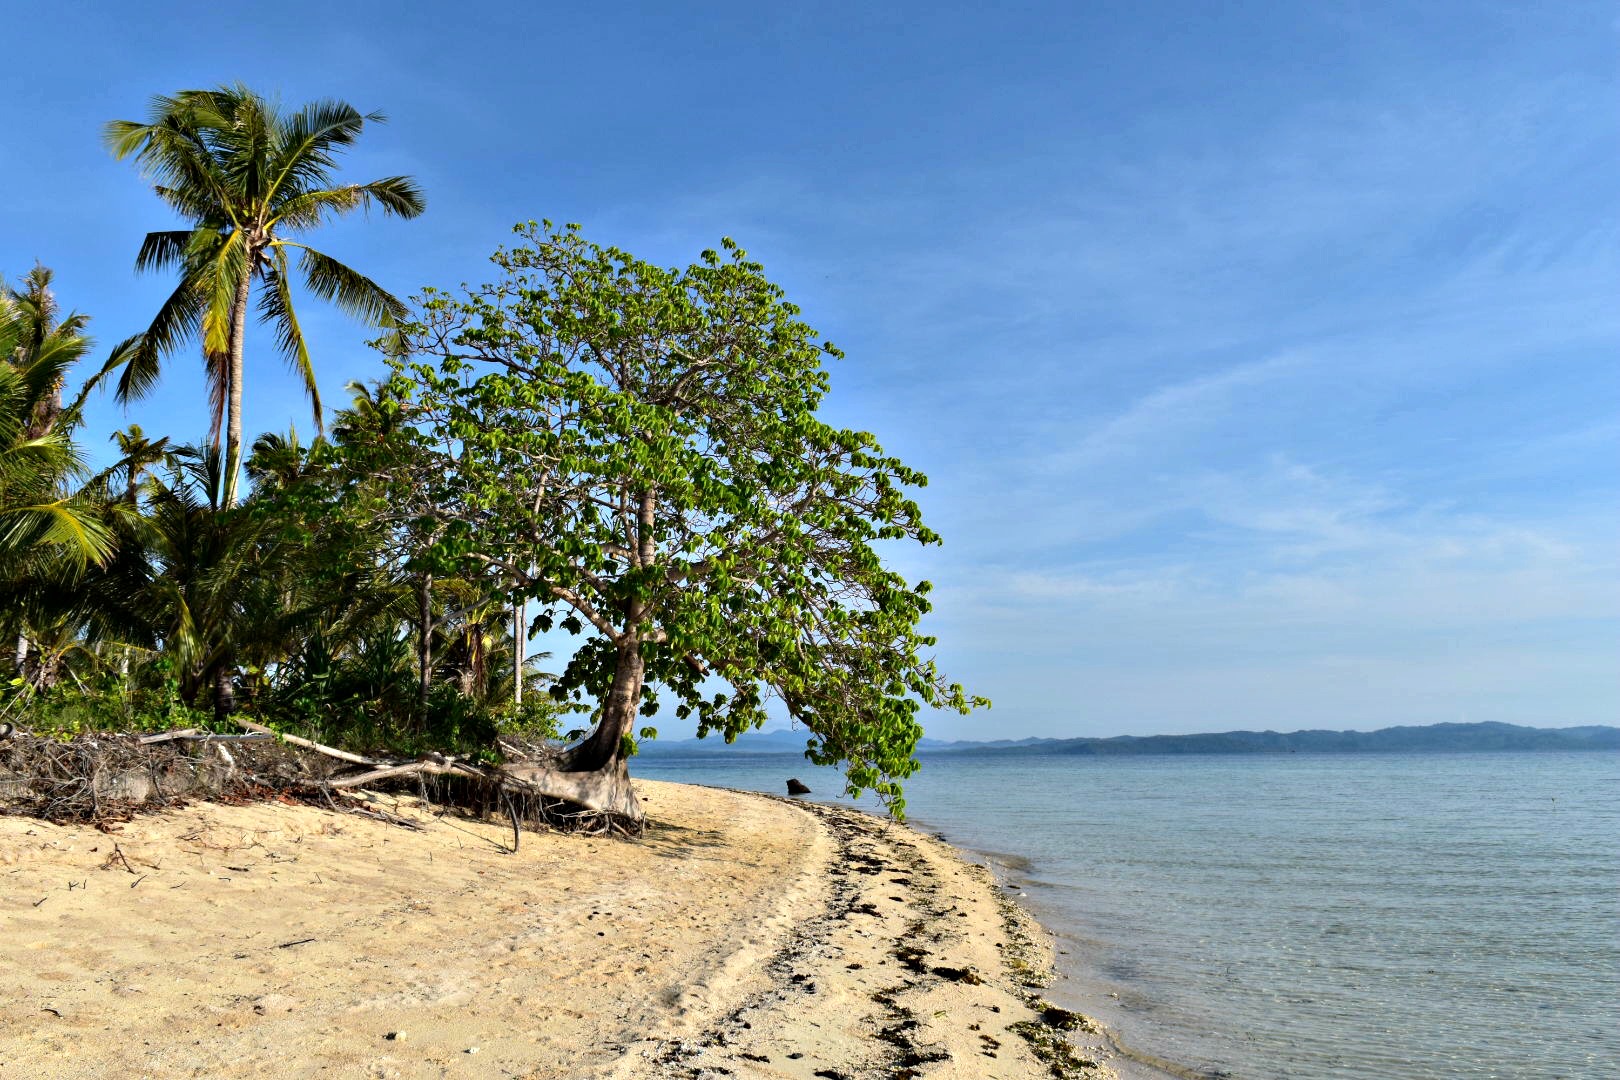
(637, 449)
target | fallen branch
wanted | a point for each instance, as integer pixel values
(193, 735)
(374, 775)
(374, 812)
(329, 751)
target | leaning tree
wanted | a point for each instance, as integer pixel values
(637, 450)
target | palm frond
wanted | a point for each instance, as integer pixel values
(308, 139)
(222, 276)
(162, 249)
(175, 322)
(352, 292)
(62, 524)
(397, 195)
(29, 466)
(244, 143)
(119, 357)
(172, 151)
(46, 369)
(276, 308)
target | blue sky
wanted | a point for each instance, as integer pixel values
(1263, 356)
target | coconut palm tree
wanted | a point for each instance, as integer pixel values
(45, 530)
(37, 514)
(249, 178)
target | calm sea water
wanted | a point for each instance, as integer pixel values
(1302, 916)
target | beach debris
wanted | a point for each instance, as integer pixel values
(1053, 1049)
(104, 779)
(964, 975)
(912, 957)
(1062, 1019)
(798, 787)
(395, 1036)
(117, 857)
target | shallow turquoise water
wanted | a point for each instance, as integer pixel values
(1303, 916)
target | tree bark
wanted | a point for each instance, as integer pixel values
(21, 656)
(620, 708)
(520, 636)
(45, 412)
(606, 790)
(424, 644)
(224, 694)
(50, 670)
(233, 390)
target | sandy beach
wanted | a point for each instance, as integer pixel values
(743, 936)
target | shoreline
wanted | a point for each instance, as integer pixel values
(747, 935)
(1011, 874)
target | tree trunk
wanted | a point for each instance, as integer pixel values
(424, 643)
(46, 410)
(606, 790)
(233, 390)
(224, 694)
(520, 636)
(21, 656)
(619, 711)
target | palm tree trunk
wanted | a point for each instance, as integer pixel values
(520, 627)
(233, 391)
(224, 694)
(22, 656)
(424, 645)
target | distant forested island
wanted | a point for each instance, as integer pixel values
(1428, 738)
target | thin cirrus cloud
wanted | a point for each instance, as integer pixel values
(1373, 468)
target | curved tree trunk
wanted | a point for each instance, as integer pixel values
(619, 711)
(595, 773)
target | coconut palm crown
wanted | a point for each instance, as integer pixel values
(38, 348)
(249, 178)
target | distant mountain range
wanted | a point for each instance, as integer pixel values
(1427, 739)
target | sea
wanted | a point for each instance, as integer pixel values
(1297, 916)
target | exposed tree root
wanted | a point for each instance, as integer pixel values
(105, 778)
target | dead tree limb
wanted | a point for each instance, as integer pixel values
(329, 751)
